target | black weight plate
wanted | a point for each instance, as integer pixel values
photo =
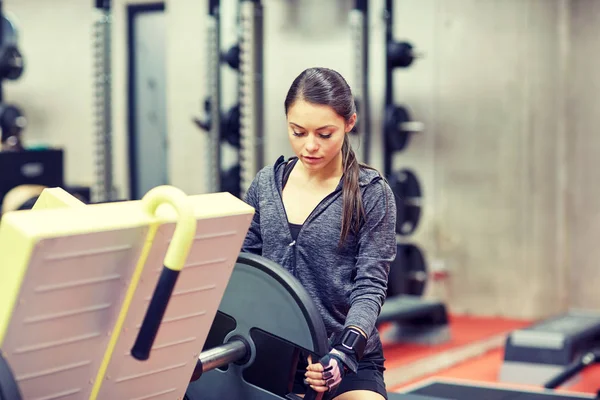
(407, 192)
(230, 180)
(408, 220)
(9, 389)
(408, 272)
(400, 54)
(9, 32)
(230, 126)
(395, 138)
(274, 313)
(410, 183)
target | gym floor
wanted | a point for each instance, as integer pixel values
(473, 354)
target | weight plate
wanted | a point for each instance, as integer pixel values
(230, 126)
(408, 273)
(267, 306)
(230, 180)
(9, 389)
(232, 56)
(396, 139)
(407, 191)
(400, 54)
(9, 31)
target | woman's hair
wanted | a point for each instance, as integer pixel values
(325, 86)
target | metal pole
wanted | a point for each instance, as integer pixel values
(389, 83)
(359, 22)
(251, 92)
(103, 100)
(213, 159)
(219, 356)
(1, 42)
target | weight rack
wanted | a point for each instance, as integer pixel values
(243, 125)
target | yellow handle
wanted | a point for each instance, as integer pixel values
(183, 237)
(185, 230)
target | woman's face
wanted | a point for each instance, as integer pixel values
(316, 133)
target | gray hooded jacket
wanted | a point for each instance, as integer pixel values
(347, 284)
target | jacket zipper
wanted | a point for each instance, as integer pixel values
(287, 223)
(306, 221)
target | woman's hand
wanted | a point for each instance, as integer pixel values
(314, 376)
(323, 378)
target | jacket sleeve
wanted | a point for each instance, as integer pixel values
(253, 240)
(377, 250)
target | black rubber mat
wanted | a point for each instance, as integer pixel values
(465, 392)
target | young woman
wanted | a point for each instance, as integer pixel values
(330, 221)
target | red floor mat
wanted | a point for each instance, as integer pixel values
(487, 367)
(464, 330)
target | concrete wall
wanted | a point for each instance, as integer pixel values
(506, 161)
(583, 144)
(490, 93)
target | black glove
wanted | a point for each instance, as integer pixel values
(347, 350)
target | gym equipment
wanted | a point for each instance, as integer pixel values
(448, 389)
(415, 320)
(408, 273)
(257, 342)
(400, 54)
(30, 167)
(412, 319)
(22, 197)
(67, 330)
(230, 180)
(399, 127)
(232, 57)
(10, 35)
(71, 330)
(359, 17)
(11, 62)
(535, 354)
(589, 358)
(8, 386)
(407, 191)
(251, 91)
(212, 104)
(12, 123)
(230, 124)
(104, 188)
(242, 125)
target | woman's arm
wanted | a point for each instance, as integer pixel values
(253, 240)
(377, 250)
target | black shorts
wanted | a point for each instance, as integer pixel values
(368, 377)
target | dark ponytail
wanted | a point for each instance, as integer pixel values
(327, 87)
(353, 211)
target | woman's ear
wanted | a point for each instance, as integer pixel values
(351, 122)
